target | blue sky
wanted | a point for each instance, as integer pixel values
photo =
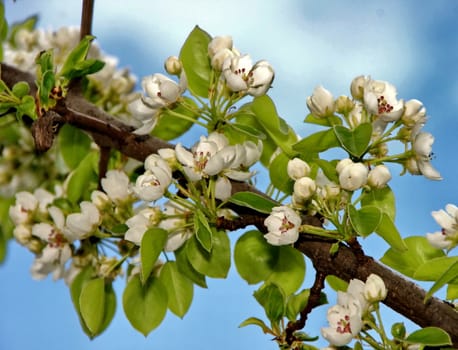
(309, 43)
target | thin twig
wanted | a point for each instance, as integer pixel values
(87, 15)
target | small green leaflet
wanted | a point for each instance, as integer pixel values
(253, 201)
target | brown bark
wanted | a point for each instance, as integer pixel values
(404, 296)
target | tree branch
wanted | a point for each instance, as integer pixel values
(403, 296)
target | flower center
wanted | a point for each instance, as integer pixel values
(201, 159)
(383, 105)
(343, 326)
(56, 239)
(286, 225)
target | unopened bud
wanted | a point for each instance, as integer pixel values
(173, 65)
(379, 176)
(374, 289)
(321, 103)
(304, 188)
(344, 104)
(297, 168)
(357, 87)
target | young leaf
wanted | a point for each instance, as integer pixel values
(257, 322)
(278, 174)
(75, 291)
(215, 264)
(434, 269)
(273, 300)
(76, 56)
(152, 244)
(354, 141)
(336, 283)
(169, 126)
(185, 267)
(429, 336)
(448, 276)
(20, 89)
(254, 258)
(316, 143)
(179, 288)
(203, 230)
(418, 252)
(388, 231)
(92, 304)
(74, 145)
(296, 303)
(289, 270)
(248, 130)
(83, 178)
(382, 198)
(145, 305)
(253, 201)
(328, 121)
(365, 220)
(196, 63)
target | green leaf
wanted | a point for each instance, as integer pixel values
(278, 174)
(336, 283)
(185, 267)
(452, 291)
(6, 224)
(354, 141)
(257, 322)
(145, 305)
(382, 198)
(296, 303)
(328, 121)
(318, 142)
(83, 179)
(433, 269)
(75, 291)
(289, 270)
(248, 130)
(214, 264)
(254, 258)
(329, 169)
(196, 63)
(84, 68)
(92, 304)
(152, 244)
(74, 145)
(26, 107)
(3, 249)
(388, 231)
(430, 336)
(365, 220)
(253, 201)
(20, 89)
(179, 288)
(418, 252)
(76, 56)
(27, 24)
(203, 230)
(46, 85)
(450, 274)
(169, 126)
(273, 300)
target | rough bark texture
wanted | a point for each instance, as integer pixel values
(404, 296)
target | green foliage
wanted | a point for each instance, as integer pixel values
(418, 252)
(336, 283)
(152, 244)
(196, 63)
(84, 178)
(365, 220)
(429, 336)
(180, 289)
(450, 275)
(3, 28)
(74, 145)
(185, 267)
(273, 300)
(315, 143)
(170, 126)
(329, 121)
(212, 264)
(203, 230)
(382, 198)
(278, 174)
(253, 201)
(356, 141)
(145, 304)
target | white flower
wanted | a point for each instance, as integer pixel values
(422, 147)
(414, 113)
(374, 289)
(321, 103)
(356, 290)
(21, 212)
(379, 176)
(81, 225)
(353, 176)
(219, 43)
(283, 226)
(144, 117)
(174, 224)
(223, 188)
(241, 75)
(152, 185)
(447, 238)
(140, 223)
(116, 185)
(304, 188)
(297, 168)
(344, 322)
(161, 90)
(380, 99)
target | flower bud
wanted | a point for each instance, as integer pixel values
(342, 164)
(374, 289)
(321, 103)
(22, 234)
(219, 58)
(398, 330)
(344, 104)
(173, 65)
(304, 188)
(379, 176)
(414, 113)
(219, 43)
(357, 87)
(353, 176)
(297, 168)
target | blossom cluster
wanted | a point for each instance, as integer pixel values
(376, 102)
(346, 318)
